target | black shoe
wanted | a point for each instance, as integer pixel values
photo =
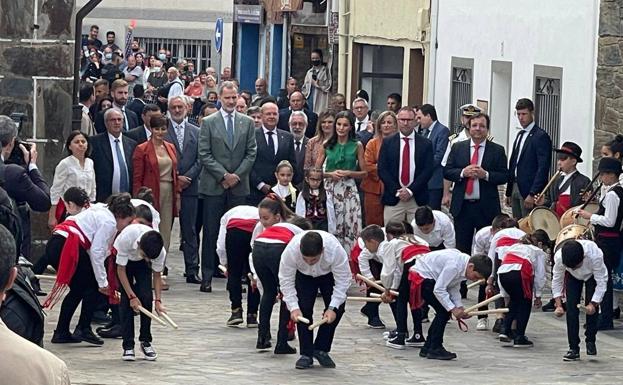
(284, 349)
(497, 326)
(263, 344)
(218, 274)
(397, 342)
(251, 320)
(423, 352)
(365, 311)
(375, 323)
(572, 355)
(591, 348)
(41, 293)
(304, 362)
(113, 332)
(107, 326)
(390, 334)
(87, 335)
(193, 278)
(236, 318)
(149, 351)
(324, 359)
(616, 313)
(64, 338)
(417, 340)
(101, 317)
(549, 307)
(522, 342)
(440, 354)
(205, 288)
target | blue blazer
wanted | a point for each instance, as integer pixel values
(389, 169)
(439, 138)
(533, 166)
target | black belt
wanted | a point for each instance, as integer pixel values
(471, 200)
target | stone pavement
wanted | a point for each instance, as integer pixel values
(205, 351)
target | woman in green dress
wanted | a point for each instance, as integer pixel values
(343, 162)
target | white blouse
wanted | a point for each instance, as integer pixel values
(69, 173)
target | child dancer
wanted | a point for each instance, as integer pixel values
(314, 203)
(434, 227)
(370, 263)
(284, 188)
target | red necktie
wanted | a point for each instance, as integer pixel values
(405, 175)
(470, 182)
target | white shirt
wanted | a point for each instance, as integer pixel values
(463, 135)
(238, 212)
(537, 258)
(332, 260)
(69, 173)
(393, 265)
(592, 266)
(447, 268)
(443, 231)
(176, 89)
(301, 209)
(482, 241)
(511, 232)
(565, 178)
(147, 132)
(366, 256)
(274, 135)
(611, 202)
(179, 127)
(282, 191)
(225, 116)
(364, 124)
(481, 152)
(411, 156)
(116, 170)
(523, 140)
(259, 229)
(127, 247)
(155, 215)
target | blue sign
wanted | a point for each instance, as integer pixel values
(218, 35)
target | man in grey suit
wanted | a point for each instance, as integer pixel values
(298, 125)
(438, 134)
(227, 150)
(185, 137)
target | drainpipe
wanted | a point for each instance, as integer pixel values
(432, 50)
(343, 31)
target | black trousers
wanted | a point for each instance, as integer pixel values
(188, 229)
(82, 288)
(434, 198)
(214, 206)
(611, 248)
(519, 307)
(402, 304)
(320, 224)
(266, 258)
(139, 275)
(372, 308)
(442, 316)
(238, 247)
(574, 292)
(306, 289)
(470, 219)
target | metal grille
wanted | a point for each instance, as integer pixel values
(547, 110)
(461, 94)
(197, 51)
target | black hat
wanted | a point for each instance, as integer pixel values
(571, 149)
(610, 165)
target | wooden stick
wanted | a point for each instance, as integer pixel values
(43, 277)
(476, 283)
(318, 323)
(169, 320)
(483, 303)
(152, 315)
(375, 295)
(303, 319)
(364, 299)
(492, 311)
(250, 276)
(375, 285)
(222, 268)
(379, 282)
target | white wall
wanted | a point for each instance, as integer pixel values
(556, 33)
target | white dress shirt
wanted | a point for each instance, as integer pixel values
(69, 173)
(443, 231)
(258, 230)
(523, 141)
(225, 114)
(447, 268)
(482, 241)
(364, 124)
(481, 152)
(275, 139)
(333, 260)
(238, 212)
(155, 215)
(366, 256)
(537, 258)
(179, 127)
(565, 178)
(282, 191)
(494, 249)
(611, 202)
(393, 265)
(411, 156)
(592, 266)
(147, 132)
(116, 170)
(301, 208)
(127, 247)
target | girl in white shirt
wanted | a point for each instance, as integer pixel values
(284, 188)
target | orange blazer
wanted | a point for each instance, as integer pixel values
(147, 172)
(372, 183)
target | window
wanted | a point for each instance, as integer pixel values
(461, 90)
(381, 73)
(547, 110)
(197, 51)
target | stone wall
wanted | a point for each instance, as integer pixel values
(35, 64)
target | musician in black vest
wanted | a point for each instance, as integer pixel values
(607, 223)
(568, 189)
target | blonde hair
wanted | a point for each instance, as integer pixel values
(284, 163)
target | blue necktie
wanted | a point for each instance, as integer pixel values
(230, 130)
(124, 185)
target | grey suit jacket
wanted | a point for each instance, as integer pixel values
(188, 159)
(218, 157)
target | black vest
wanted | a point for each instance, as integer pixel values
(617, 224)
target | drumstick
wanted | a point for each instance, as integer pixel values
(476, 283)
(152, 315)
(318, 323)
(169, 320)
(46, 277)
(375, 285)
(483, 303)
(492, 311)
(223, 269)
(302, 319)
(364, 299)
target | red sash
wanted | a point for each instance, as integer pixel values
(412, 251)
(354, 260)
(113, 281)
(415, 290)
(563, 204)
(278, 233)
(60, 210)
(242, 224)
(526, 273)
(506, 241)
(68, 260)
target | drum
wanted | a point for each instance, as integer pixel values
(524, 225)
(572, 232)
(567, 218)
(542, 218)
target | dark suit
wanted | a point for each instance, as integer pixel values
(136, 106)
(266, 162)
(364, 137)
(284, 121)
(471, 216)
(439, 138)
(137, 134)
(100, 127)
(101, 153)
(188, 165)
(299, 169)
(533, 166)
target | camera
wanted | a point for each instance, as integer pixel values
(17, 156)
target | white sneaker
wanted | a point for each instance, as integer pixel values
(128, 355)
(483, 324)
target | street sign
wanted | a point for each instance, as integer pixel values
(218, 35)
